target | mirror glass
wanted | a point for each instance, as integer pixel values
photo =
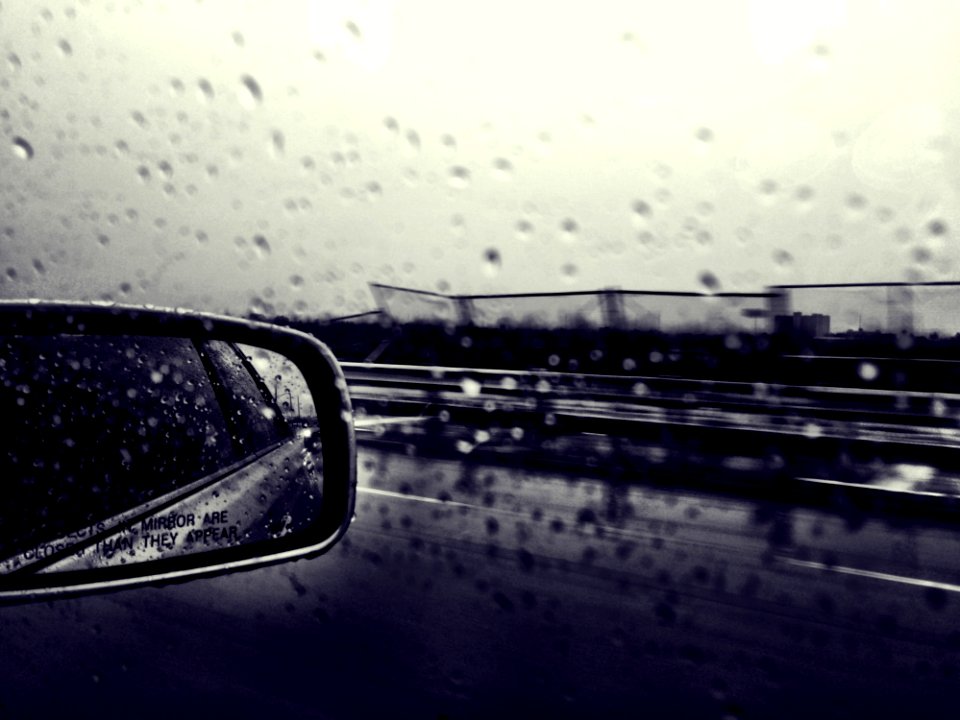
(127, 448)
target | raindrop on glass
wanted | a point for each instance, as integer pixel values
(262, 245)
(413, 140)
(206, 89)
(471, 388)
(458, 177)
(768, 188)
(709, 281)
(277, 142)
(524, 229)
(641, 212)
(782, 258)
(868, 371)
(492, 261)
(856, 202)
(22, 149)
(250, 93)
(502, 169)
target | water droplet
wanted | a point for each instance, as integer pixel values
(103, 240)
(709, 281)
(820, 57)
(374, 190)
(22, 149)
(569, 229)
(803, 194)
(782, 258)
(261, 244)
(413, 140)
(458, 177)
(165, 168)
(868, 371)
(937, 227)
(64, 47)
(13, 61)
(354, 30)
(856, 202)
(569, 271)
(143, 172)
(492, 261)
(768, 188)
(922, 255)
(704, 134)
(502, 169)
(524, 229)
(277, 142)
(250, 93)
(176, 86)
(471, 388)
(641, 212)
(206, 89)
(448, 141)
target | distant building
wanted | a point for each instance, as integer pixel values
(813, 325)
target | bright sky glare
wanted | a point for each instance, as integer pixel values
(233, 156)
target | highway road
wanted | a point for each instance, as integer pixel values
(472, 589)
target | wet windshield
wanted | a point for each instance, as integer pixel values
(647, 311)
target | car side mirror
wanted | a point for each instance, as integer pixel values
(147, 445)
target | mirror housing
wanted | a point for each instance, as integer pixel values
(238, 517)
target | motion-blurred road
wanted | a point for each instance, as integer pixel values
(466, 589)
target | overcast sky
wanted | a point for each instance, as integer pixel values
(224, 155)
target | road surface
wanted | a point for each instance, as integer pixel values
(466, 589)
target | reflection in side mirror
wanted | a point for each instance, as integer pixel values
(148, 445)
